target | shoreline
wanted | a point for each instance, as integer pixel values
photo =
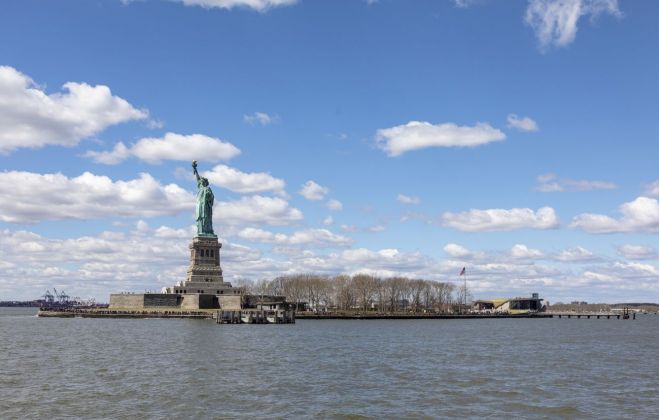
(210, 314)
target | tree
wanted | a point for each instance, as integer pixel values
(364, 286)
(345, 296)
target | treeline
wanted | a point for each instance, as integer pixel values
(360, 292)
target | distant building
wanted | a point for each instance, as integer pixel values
(516, 305)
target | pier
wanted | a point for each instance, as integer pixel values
(127, 314)
(418, 316)
(280, 316)
(255, 316)
(243, 316)
(594, 315)
(626, 313)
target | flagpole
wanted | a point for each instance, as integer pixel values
(465, 291)
(464, 288)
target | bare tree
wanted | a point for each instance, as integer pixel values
(417, 289)
(345, 296)
(360, 291)
(395, 288)
(365, 287)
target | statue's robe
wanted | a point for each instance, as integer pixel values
(204, 210)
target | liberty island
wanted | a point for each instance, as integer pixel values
(203, 293)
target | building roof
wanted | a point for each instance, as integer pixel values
(499, 302)
(495, 302)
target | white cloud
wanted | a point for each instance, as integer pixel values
(555, 21)
(402, 198)
(312, 191)
(637, 269)
(638, 252)
(420, 135)
(640, 215)
(552, 183)
(168, 232)
(27, 197)
(521, 251)
(141, 226)
(260, 118)
(329, 220)
(577, 254)
(376, 228)
(170, 147)
(118, 154)
(137, 261)
(490, 220)
(348, 228)
(256, 209)
(457, 251)
(104, 263)
(154, 124)
(242, 182)
(334, 205)
(624, 276)
(31, 118)
(258, 5)
(518, 254)
(522, 124)
(318, 237)
(652, 190)
(463, 4)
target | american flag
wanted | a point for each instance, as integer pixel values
(464, 271)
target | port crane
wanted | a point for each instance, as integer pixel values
(62, 297)
(48, 297)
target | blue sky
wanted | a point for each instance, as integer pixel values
(516, 138)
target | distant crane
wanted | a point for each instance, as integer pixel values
(48, 297)
(62, 297)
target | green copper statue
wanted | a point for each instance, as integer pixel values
(204, 210)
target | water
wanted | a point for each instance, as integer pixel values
(111, 368)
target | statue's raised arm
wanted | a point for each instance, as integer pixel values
(194, 169)
(205, 201)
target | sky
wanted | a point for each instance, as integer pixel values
(517, 139)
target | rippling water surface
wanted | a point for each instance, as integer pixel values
(110, 368)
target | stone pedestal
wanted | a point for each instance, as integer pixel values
(204, 273)
(205, 260)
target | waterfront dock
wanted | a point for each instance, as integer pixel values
(244, 316)
(126, 314)
(258, 316)
(255, 316)
(417, 316)
(594, 315)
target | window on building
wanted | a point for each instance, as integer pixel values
(212, 253)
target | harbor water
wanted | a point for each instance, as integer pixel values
(176, 368)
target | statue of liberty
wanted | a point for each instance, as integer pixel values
(204, 209)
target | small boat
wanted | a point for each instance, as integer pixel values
(246, 318)
(272, 319)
